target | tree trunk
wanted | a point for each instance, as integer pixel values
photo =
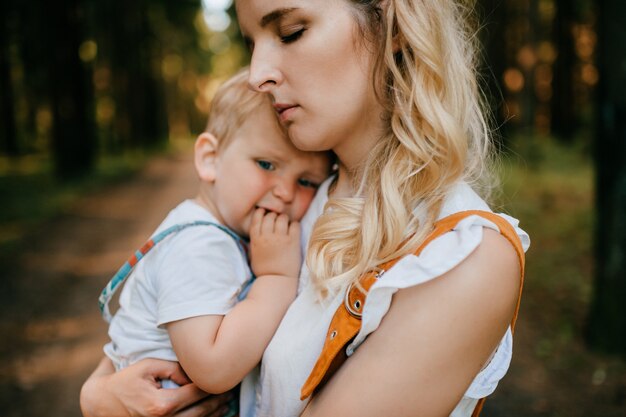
(493, 20)
(607, 323)
(73, 142)
(34, 87)
(141, 118)
(528, 99)
(564, 121)
(8, 140)
(150, 108)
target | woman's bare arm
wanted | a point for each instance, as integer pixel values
(432, 343)
(135, 391)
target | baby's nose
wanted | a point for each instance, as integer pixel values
(285, 190)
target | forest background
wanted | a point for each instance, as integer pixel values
(97, 96)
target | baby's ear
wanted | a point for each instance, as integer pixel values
(205, 156)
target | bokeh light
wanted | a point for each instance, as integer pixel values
(215, 15)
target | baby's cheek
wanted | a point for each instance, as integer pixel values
(301, 204)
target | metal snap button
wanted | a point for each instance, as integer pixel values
(333, 334)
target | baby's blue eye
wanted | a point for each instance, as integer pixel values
(268, 166)
(309, 184)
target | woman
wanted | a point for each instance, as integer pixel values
(390, 86)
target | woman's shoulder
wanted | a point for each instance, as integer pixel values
(475, 232)
(476, 271)
(462, 197)
(474, 245)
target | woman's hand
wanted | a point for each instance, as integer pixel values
(136, 391)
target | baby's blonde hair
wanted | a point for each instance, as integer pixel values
(436, 134)
(232, 104)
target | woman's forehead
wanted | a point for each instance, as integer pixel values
(264, 12)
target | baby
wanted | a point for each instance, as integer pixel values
(185, 300)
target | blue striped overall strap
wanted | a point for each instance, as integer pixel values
(124, 272)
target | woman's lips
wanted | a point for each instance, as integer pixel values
(285, 111)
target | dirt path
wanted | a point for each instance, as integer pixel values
(51, 334)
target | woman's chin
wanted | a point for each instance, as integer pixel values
(305, 141)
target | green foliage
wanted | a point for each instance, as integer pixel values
(549, 187)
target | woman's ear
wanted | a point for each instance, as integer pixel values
(205, 156)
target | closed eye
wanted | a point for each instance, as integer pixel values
(308, 184)
(265, 165)
(292, 37)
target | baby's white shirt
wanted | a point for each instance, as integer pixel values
(198, 271)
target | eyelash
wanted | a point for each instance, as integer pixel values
(292, 37)
(308, 184)
(265, 165)
(268, 166)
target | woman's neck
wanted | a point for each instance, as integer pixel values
(354, 149)
(342, 186)
(351, 160)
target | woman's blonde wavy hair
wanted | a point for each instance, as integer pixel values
(425, 77)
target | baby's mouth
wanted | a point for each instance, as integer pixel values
(267, 210)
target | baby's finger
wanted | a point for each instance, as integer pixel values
(257, 220)
(268, 223)
(282, 225)
(294, 229)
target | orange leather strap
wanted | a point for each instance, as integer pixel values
(346, 322)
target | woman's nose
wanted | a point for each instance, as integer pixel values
(264, 73)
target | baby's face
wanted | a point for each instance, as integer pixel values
(261, 168)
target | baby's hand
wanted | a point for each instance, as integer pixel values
(274, 245)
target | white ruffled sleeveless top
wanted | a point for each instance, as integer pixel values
(274, 389)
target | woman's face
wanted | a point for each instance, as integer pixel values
(307, 55)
